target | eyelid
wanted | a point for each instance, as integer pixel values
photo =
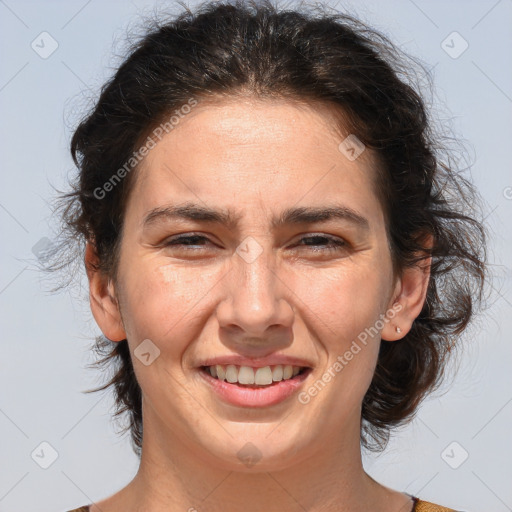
(185, 236)
(334, 240)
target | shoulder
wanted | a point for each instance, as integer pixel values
(426, 506)
(85, 508)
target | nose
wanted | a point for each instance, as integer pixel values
(256, 316)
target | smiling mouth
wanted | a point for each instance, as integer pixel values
(246, 376)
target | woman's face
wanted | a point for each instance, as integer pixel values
(279, 285)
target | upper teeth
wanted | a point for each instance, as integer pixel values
(247, 375)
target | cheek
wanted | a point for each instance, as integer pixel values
(351, 356)
(343, 301)
(343, 310)
(160, 299)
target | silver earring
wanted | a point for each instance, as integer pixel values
(398, 330)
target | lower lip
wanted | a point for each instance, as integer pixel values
(247, 396)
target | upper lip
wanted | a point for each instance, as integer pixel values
(257, 362)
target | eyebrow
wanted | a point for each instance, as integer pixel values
(290, 216)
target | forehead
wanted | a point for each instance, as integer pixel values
(260, 125)
(243, 151)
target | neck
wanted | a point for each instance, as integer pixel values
(174, 473)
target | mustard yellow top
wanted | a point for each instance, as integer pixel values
(426, 506)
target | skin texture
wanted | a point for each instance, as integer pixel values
(256, 158)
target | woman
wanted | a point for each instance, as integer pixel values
(276, 258)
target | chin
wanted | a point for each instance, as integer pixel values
(255, 452)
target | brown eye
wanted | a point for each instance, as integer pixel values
(187, 241)
(329, 243)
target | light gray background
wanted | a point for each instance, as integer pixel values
(46, 338)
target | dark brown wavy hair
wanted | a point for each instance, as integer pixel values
(225, 49)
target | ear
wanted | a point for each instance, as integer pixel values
(408, 298)
(104, 304)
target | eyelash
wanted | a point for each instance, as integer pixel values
(335, 243)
